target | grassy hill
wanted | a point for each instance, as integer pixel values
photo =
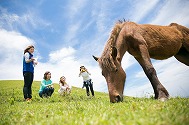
(77, 109)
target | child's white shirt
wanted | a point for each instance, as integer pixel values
(85, 76)
(64, 87)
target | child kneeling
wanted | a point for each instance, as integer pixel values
(64, 87)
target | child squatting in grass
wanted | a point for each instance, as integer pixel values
(64, 87)
(46, 87)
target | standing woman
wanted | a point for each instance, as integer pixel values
(28, 72)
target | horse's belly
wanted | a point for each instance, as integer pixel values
(164, 49)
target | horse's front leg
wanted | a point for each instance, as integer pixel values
(144, 59)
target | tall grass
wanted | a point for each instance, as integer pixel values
(77, 109)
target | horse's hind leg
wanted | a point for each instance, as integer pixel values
(144, 59)
(183, 54)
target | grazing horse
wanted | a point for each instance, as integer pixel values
(143, 41)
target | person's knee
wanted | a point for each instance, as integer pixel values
(52, 89)
(46, 89)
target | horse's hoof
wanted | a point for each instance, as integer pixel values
(163, 99)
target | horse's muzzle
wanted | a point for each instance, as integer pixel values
(118, 98)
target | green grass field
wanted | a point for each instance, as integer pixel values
(77, 109)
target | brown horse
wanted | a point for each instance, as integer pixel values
(143, 42)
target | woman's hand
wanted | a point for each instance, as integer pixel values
(32, 59)
(35, 63)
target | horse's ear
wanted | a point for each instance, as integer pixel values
(114, 52)
(96, 58)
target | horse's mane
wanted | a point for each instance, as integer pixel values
(106, 58)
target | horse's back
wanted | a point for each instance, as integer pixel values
(162, 41)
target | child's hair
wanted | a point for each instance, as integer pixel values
(29, 47)
(82, 67)
(45, 75)
(62, 82)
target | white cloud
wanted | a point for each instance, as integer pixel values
(71, 34)
(61, 55)
(127, 61)
(140, 90)
(102, 17)
(141, 9)
(173, 75)
(11, 53)
(12, 44)
(26, 21)
(173, 11)
(74, 7)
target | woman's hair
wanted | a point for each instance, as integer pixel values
(62, 82)
(29, 47)
(45, 75)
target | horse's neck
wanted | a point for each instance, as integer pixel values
(112, 41)
(121, 46)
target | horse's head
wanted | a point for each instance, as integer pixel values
(113, 73)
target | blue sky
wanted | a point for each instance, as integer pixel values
(66, 33)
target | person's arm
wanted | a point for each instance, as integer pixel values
(79, 73)
(51, 84)
(27, 60)
(43, 83)
(88, 72)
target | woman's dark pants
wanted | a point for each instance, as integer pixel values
(28, 80)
